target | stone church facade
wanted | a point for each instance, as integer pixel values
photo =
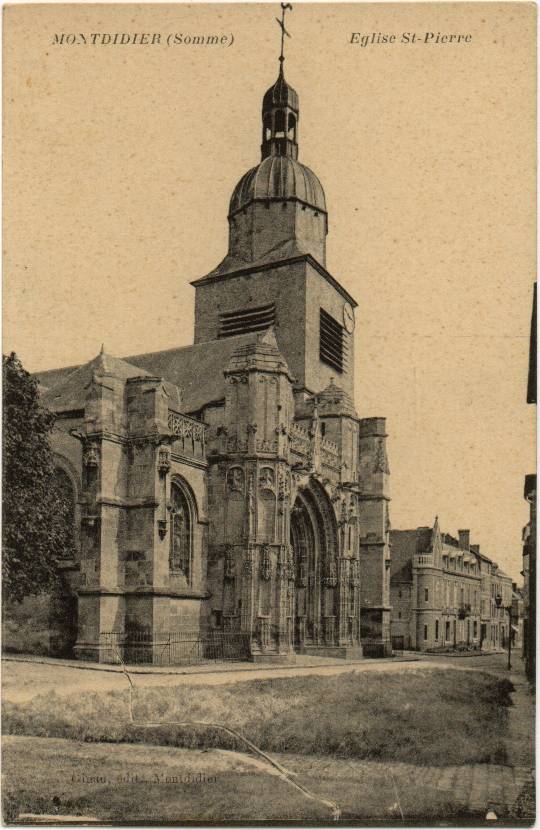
(230, 486)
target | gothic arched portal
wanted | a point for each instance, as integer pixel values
(314, 544)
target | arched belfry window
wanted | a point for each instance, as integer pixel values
(291, 127)
(267, 127)
(280, 124)
(65, 506)
(181, 532)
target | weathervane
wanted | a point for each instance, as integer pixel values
(284, 7)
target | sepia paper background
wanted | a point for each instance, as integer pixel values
(119, 162)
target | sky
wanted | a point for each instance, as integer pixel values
(119, 163)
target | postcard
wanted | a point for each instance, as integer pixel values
(269, 387)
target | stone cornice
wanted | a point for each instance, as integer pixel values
(281, 263)
(189, 462)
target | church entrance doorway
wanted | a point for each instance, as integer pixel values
(307, 543)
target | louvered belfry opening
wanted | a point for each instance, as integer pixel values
(332, 346)
(245, 320)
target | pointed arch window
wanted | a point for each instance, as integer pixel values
(181, 532)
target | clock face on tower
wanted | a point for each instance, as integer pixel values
(348, 318)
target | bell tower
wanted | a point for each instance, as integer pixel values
(280, 120)
(274, 273)
(280, 110)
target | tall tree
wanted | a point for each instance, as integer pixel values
(37, 526)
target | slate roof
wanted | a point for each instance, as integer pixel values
(70, 391)
(197, 370)
(280, 94)
(281, 178)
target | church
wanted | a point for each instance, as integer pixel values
(228, 492)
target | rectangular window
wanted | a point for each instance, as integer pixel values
(332, 346)
(447, 631)
(245, 320)
(436, 629)
(425, 632)
(426, 594)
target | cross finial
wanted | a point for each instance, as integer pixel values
(284, 8)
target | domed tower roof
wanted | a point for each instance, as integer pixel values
(280, 94)
(277, 209)
(278, 178)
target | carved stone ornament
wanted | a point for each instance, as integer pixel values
(266, 564)
(354, 573)
(91, 455)
(164, 462)
(247, 567)
(336, 495)
(284, 485)
(330, 577)
(251, 429)
(228, 562)
(266, 478)
(251, 495)
(290, 564)
(283, 564)
(235, 479)
(162, 528)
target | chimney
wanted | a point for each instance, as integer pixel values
(464, 539)
(475, 548)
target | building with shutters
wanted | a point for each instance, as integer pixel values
(443, 593)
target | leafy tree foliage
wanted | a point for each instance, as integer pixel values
(37, 526)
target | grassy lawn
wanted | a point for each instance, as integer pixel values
(48, 775)
(167, 785)
(437, 718)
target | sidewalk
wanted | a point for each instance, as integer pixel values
(300, 661)
(520, 744)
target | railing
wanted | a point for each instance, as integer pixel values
(329, 453)
(300, 441)
(174, 648)
(423, 560)
(189, 432)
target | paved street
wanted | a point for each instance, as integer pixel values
(23, 678)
